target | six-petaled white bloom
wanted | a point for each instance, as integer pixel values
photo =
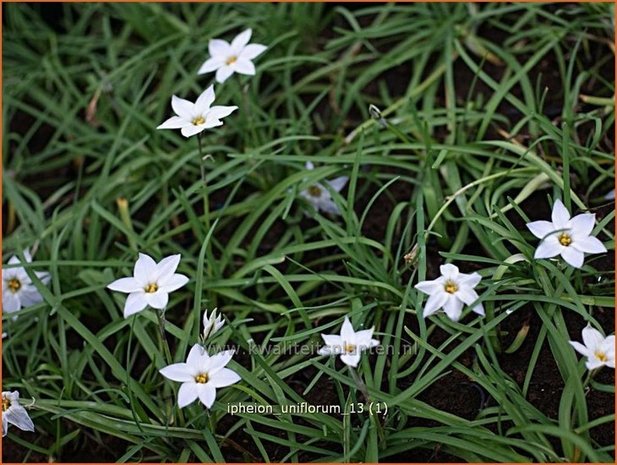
(13, 413)
(226, 58)
(18, 290)
(451, 291)
(320, 197)
(192, 118)
(201, 375)
(569, 237)
(151, 283)
(349, 344)
(599, 350)
(212, 324)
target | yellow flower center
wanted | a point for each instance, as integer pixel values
(314, 191)
(450, 287)
(601, 356)
(14, 285)
(565, 239)
(349, 348)
(231, 60)
(151, 288)
(198, 120)
(6, 403)
(201, 378)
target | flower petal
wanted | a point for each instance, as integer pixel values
(220, 111)
(244, 66)
(351, 359)
(223, 73)
(334, 341)
(588, 244)
(166, 267)
(173, 282)
(430, 287)
(126, 285)
(212, 123)
(191, 130)
(583, 224)
(252, 51)
(580, 348)
(224, 377)
(593, 363)
(347, 332)
(218, 361)
(10, 302)
(328, 206)
(467, 295)
(548, 248)
(202, 105)
(197, 356)
(30, 296)
(573, 257)
(449, 271)
(207, 394)
(364, 338)
(27, 255)
(608, 346)
(326, 350)
(592, 338)
(188, 393)
(211, 64)
(560, 215)
(175, 122)
(479, 309)
(135, 303)
(158, 299)
(338, 184)
(182, 107)
(541, 228)
(44, 276)
(219, 48)
(179, 372)
(240, 41)
(145, 266)
(434, 303)
(18, 416)
(453, 308)
(469, 280)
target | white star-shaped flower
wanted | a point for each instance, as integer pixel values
(13, 413)
(569, 237)
(226, 58)
(212, 324)
(18, 290)
(318, 196)
(599, 350)
(192, 118)
(349, 344)
(201, 375)
(150, 284)
(451, 291)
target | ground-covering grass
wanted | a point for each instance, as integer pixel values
(491, 112)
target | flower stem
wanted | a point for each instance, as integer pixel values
(363, 389)
(204, 184)
(359, 383)
(211, 422)
(160, 314)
